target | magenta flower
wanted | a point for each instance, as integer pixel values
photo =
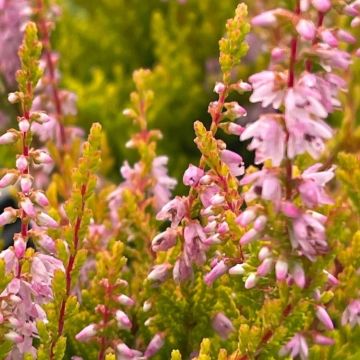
(324, 317)
(268, 139)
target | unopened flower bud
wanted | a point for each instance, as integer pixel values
(278, 54)
(8, 179)
(123, 320)
(21, 163)
(306, 29)
(235, 129)
(217, 199)
(8, 138)
(324, 317)
(41, 199)
(346, 37)
(87, 333)
(46, 220)
(156, 343)
(322, 5)
(260, 223)
(299, 275)
(28, 207)
(125, 300)
(251, 281)
(25, 184)
(218, 270)
(19, 247)
(264, 253)
(246, 217)
(42, 157)
(13, 98)
(222, 325)
(8, 216)
(249, 237)
(238, 269)
(24, 125)
(159, 273)
(147, 306)
(219, 87)
(266, 18)
(265, 267)
(323, 340)
(281, 270)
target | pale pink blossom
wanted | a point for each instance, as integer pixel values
(268, 139)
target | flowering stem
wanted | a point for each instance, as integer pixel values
(69, 270)
(291, 79)
(50, 65)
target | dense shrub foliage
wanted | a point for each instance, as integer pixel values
(247, 247)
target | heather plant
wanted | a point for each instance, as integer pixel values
(255, 261)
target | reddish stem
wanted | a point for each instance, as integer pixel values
(50, 65)
(68, 271)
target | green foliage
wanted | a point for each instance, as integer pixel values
(178, 41)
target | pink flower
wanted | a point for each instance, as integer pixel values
(268, 139)
(125, 300)
(308, 235)
(323, 340)
(122, 320)
(8, 179)
(87, 333)
(269, 88)
(164, 183)
(182, 270)
(251, 281)
(156, 343)
(8, 216)
(351, 315)
(165, 240)
(322, 5)
(306, 29)
(159, 273)
(266, 18)
(218, 270)
(281, 269)
(298, 275)
(265, 267)
(195, 237)
(174, 211)
(311, 188)
(307, 136)
(324, 317)
(222, 325)
(234, 161)
(192, 175)
(297, 346)
(125, 353)
(265, 185)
